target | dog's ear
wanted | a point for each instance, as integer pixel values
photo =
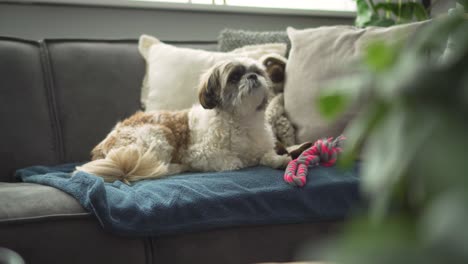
(209, 90)
(275, 70)
(275, 67)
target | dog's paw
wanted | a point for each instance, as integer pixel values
(275, 161)
(278, 162)
(235, 164)
(229, 163)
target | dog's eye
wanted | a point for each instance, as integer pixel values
(235, 77)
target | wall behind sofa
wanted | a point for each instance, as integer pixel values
(33, 21)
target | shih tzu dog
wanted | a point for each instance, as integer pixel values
(227, 131)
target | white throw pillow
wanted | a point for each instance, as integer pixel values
(173, 73)
(317, 56)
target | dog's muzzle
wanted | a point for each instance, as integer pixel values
(252, 81)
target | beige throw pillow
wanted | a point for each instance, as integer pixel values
(173, 73)
(317, 56)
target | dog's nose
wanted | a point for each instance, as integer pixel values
(252, 76)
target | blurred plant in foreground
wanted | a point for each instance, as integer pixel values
(389, 13)
(413, 137)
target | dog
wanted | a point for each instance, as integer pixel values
(275, 113)
(226, 131)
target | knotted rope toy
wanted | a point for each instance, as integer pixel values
(324, 152)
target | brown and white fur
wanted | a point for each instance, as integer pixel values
(227, 131)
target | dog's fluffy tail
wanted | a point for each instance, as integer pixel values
(126, 164)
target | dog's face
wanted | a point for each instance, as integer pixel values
(239, 86)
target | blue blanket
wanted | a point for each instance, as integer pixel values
(201, 201)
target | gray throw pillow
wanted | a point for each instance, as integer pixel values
(319, 56)
(230, 39)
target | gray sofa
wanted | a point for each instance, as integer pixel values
(58, 98)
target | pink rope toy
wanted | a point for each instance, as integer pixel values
(323, 152)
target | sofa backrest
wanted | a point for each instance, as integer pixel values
(27, 134)
(59, 98)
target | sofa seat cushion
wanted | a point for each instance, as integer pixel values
(70, 239)
(203, 201)
(21, 201)
(36, 218)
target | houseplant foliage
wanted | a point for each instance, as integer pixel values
(413, 137)
(388, 13)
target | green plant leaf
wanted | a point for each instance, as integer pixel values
(464, 3)
(392, 241)
(383, 22)
(357, 132)
(380, 56)
(448, 143)
(364, 14)
(339, 94)
(388, 7)
(444, 223)
(406, 12)
(391, 149)
(435, 36)
(332, 105)
(420, 12)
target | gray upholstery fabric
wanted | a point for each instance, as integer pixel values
(203, 45)
(58, 98)
(46, 225)
(278, 243)
(31, 213)
(81, 240)
(28, 200)
(27, 135)
(96, 84)
(230, 39)
(71, 240)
